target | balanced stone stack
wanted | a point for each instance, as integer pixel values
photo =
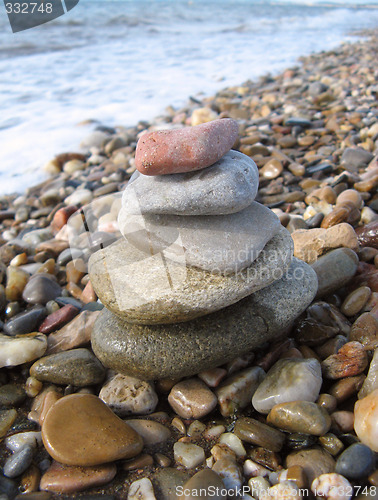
(203, 273)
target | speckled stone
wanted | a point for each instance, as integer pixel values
(192, 398)
(169, 351)
(226, 187)
(81, 430)
(221, 244)
(154, 290)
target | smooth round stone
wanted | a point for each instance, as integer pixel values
(366, 420)
(365, 331)
(349, 196)
(17, 441)
(17, 463)
(152, 432)
(192, 398)
(314, 461)
(129, 395)
(69, 479)
(226, 187)
(355, 301)
(223, 244)
(335, 269)
(289, 380)
(25, 322)
(81, 430)
(354, 158)
(272, 169)
(206, 481)
(11, 395)
(169, 351)
(77, 367)
(356, 462)
(8, 488)
(40, 289)
(300, 416)
(254, 432)
(187, 454)
(185, 149)
(16, 351)
(153, 290)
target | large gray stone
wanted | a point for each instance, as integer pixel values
(154, 290)
(222, 244)
(226, 187)
(181, 349)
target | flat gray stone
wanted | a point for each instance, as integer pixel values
(153, 290)
(182, 349)
(226, 187)
(222, 244)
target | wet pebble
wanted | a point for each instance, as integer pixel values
(355, 301)
(25, 322)
(300, 416)
(230, 473)
(17, 463)
(16, 351)
(40, 289)
(151, 432)
(254, 432)
(349, 361)
(314, 461)
(192, 398)
(356, 462)
(189, 455)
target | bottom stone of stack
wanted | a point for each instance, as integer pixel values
(154, 352)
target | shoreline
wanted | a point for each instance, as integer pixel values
(313, 132)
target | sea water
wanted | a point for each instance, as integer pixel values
(118, 62)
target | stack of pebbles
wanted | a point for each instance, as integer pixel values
(202, 273)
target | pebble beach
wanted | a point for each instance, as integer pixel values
(291, 415)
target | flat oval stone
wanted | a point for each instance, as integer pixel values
(17, 463)
(76, 367)
(335, 269)
(254, 432)
(226, 187)
(151, 432)
(356, 461)
(58, 318)
(129, 395)
(159, 351)
(81, 430)
(151, 289)
(40, 289)
(70, 479)
(192, 398)
(16, 351)
(224, 244)
(289, 380)
(185, 149)
(25, 322)
(300, 416)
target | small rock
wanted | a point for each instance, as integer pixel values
(355, 301)
(314, 461)
(331, 443)
(79, 197)
(78, 367)
(81, 430)
(343, 420)
(288, 380)
(69, 479)
(356, 462)
(17, 279)
(17, 441)
(192, 398)
(141, 489)
(16, 351)
(365, 331)
(349, 361)
(300, 416)
(7, 417)
(230, 473)
(186, 149)
(367, 235)
(17, 463)
(259, 434)
(335, 269)
(234, 443)
(41, 289)
(332, 487)
(366, 420)
(235, 393)
(168, 480)
(25, 322)
(353, 159)
(151, 432)
(11, 395)
(189, 455)
(58, 319)
(203, 480)
(129, 395)
(370, 384)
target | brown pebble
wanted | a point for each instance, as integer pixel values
(327, 401)
(365, 331)
(314, 461)
(350, 196)
(29, 481)
(259, 434)
(61, 217)
(300, 416)
(88, 294)
(373, 478)
(140, 462)
(346, 387)
(349, 361)
(48, 401)
(355, 301)
(75, 270)
(81, 430)
(368, 235)
(58, 319)
(69, 479)
(162, 460)
(332, 444)
(192, 398)
(343, 420)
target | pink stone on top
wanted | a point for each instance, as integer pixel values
(185, 149)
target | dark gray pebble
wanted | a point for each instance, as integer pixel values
(40, 289)
(25, 322)
(11, 395)
(93, 306)
(63, 301)
(356, 461)
(17, 463)
(69, 254)
(7, 487)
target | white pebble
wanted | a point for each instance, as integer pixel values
(230, 472)
(18, 441)
(141, 489)
(15, 351)
(252, 469)
(233, 442)
(332, 487)
(187, 454)
(258, 486)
